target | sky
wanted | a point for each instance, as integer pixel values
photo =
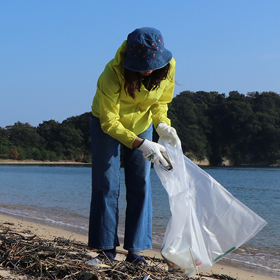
(53, 51)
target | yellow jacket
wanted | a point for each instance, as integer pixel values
(123, 117)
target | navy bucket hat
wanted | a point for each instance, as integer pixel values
(145, 50)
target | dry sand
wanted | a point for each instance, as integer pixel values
(50, 233)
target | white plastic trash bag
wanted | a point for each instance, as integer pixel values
(207, 222)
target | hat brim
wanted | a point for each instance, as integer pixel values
(148, 64)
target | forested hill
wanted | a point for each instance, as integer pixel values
(243, 129)
(50, 141)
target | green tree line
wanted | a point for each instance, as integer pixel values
(242, 128)
(50, 141)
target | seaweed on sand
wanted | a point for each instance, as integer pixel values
(24, 255)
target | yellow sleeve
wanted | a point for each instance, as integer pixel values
(160, 108)
(108, 98)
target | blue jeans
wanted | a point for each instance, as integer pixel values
(103, 222)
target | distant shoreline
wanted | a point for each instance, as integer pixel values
(30, 162)
(68, 162)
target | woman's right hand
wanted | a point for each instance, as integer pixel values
(152, 152)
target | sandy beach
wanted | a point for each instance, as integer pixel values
(49, 233)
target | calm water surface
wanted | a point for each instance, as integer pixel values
(60, 196)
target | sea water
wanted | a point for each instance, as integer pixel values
(59, 195)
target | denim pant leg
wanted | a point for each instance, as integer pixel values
(103, 222)
(138, 223)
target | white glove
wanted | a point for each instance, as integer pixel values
(152, 152)
(165, 130)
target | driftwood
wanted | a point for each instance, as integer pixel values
(27, 256)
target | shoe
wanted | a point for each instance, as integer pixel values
(109, 254)
(135, 259)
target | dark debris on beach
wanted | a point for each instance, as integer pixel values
(24, 255)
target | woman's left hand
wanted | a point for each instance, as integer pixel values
(165, 130)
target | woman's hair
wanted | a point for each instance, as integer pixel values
(133, 80)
